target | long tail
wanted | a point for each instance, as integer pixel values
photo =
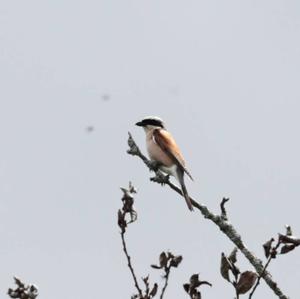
(180, 174)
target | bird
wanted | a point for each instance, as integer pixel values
(163, 150)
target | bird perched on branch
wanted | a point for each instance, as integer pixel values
(163, 149)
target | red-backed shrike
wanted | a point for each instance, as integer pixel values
(163, 149)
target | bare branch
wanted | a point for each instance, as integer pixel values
(127, 208)
(168, 271)
(130, 265)
(223, 210)
(227, 228)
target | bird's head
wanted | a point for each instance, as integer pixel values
(151, 122)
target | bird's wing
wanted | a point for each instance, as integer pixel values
(167, 143)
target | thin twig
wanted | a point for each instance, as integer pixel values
(223, 210)
(130, 265)
(235, 282)
(260, 276)
(274, 250)
(223, 225)
(168, 271)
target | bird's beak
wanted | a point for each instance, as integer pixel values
(140, 124)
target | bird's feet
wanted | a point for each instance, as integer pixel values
(154, 165)
(160, 178)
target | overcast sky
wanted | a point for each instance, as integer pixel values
(224, 75)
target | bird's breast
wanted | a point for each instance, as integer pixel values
(157, 154)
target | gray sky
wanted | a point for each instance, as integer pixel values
(224, 75)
